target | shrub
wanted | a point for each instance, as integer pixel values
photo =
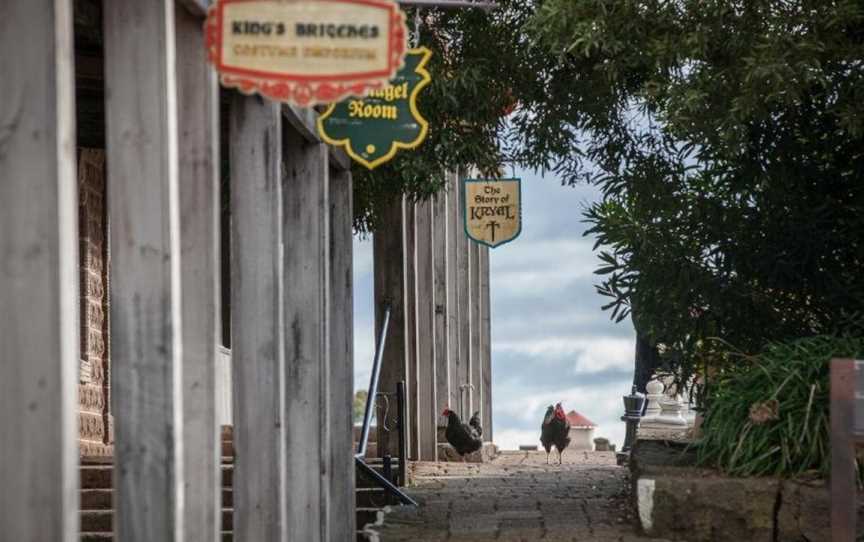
(770, 414)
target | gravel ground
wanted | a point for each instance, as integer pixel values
(516, 497)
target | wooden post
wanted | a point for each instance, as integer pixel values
(426, 382)
(341, 466)
(389, 270)
(198, 122)
(256, 318)
(476, 331)
(306, 237)
(843, 486)
(464, 297)
(453, 310)
(441, 226)
(146, 335)
(39, 348)
(486, 342)
(411, 343)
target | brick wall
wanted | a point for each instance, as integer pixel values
(93, 392)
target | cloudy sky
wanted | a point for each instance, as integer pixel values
(550, 340)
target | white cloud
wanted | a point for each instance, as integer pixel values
(589, 354)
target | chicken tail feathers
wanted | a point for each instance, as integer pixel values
(474, 422)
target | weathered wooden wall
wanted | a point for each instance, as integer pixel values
(389, 254)
(305, 298)
(198, 147)
(425, 330)
(146, 331)
(256, 319)
(341, 464)
(39, 353)
(425, 262)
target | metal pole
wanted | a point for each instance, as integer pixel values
(373, 384)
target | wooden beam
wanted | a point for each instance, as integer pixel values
(256, 316)
(426, 382)
(486, 342)
(441, 226)
(464, 296)
(146, 335)
(412, 380)
(476, 331)
(197, 8)
(339, 159)
(341, 519)
(306, 340)
(843, 485)
(39, 348)
(454, 316)
(389, 284)
(304, 122)
(198, 122)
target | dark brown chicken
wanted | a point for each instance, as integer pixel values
(555, 431)
(465, 438)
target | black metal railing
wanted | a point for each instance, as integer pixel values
(360, 457)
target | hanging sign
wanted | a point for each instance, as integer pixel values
(374, 128)
(306, 52)
(492, 210)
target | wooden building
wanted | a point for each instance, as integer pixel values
(175, 259)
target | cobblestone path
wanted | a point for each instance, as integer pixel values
(516, 497)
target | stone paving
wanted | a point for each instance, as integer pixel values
(516, 497)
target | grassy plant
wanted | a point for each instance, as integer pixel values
(770, 414)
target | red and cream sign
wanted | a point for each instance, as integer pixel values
(306, 52)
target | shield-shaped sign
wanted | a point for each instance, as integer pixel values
(372, 129)
(492, 210)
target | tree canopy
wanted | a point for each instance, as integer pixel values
(726, 138)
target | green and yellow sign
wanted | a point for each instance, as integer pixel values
(374, 128)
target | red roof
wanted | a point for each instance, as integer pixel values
(578, 420)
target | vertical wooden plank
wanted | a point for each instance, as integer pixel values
(441, 261)
(39, 350)
(476, 331)
(412, 379)
(342, 523)
(198, 147)
(464, 296)
(486, 342)
(389, 283)
(256, 318)
(453, 315)
(305, 233)
(426, 382)
(146, 333)
(843, 490)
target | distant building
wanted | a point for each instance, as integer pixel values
(581, 431)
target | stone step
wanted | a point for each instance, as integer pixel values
(100, 476)
(227, 536)
(101, 521)
(96, 499)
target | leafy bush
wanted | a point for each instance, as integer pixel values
(770, 414)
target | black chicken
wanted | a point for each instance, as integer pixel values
(555, 431)
(465, 438)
